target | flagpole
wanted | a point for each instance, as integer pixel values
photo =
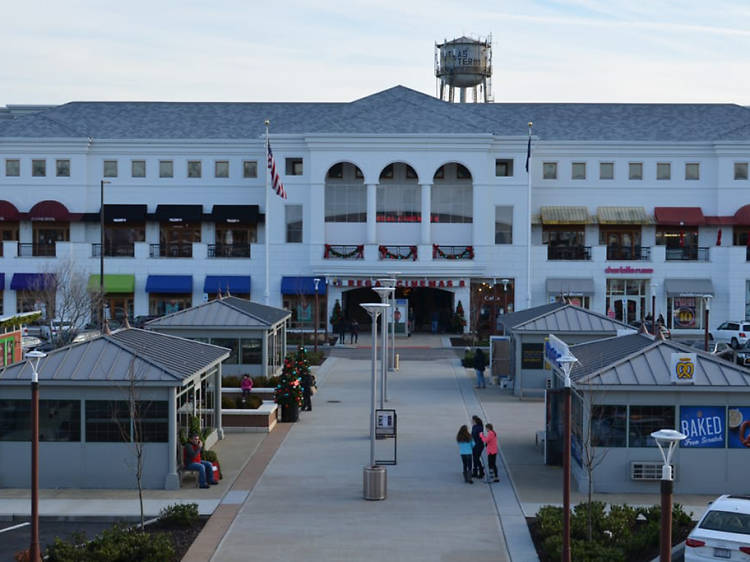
(267, 290)
(528, 222)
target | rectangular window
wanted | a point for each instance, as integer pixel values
(166, 169)
(635, 171)
(154, 421)
(294, 166)
(251, 351)
(249, 169)
(532, 356)
(160, 304)
(13, 167)
(346, 202)
(606, 170)
(503, 225)
(644, 420)
(59, 420)
(450, 203)
(38, 168)
(221, 169)
(62, 168)
(110, 169)
(692, 171)
(503, 167)
(138, 168)
(194, 168)
(578, 171)
(293, 216)
(549, 170)
(608, 426)
(107, 421)
(232, 344)
(740, 170)
(663, 171)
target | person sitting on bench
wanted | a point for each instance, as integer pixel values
(192, 461)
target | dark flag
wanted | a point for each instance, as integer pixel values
(528, 154)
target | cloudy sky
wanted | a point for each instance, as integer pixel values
(330, 50)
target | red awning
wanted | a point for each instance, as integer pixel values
(679, 216)
(742, 216)
(719, 221)
(8, 212)
(50, 211)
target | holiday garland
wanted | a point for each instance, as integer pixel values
(466, 254)
(330, 250)
(386, 254)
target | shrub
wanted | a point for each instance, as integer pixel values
(261, 382)
(230, 381)
(228, 402)
(210, 456)
(316, 358)
(252, 402)
(114, 545)
(468, 360)
(182, 514)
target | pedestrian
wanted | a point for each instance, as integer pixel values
(465, 445)
(354, 332)
(489, 438)
(478, 447)
(246, 385)
(341, 330)
(307, 384)
(192, 461)
(480, 363)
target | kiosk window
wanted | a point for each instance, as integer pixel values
(532, 356)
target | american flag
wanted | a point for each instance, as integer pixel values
(278, 187)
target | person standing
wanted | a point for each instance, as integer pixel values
(307, 383)
(341, 330)
(480, 363)
(465, 445)
(478, 447)
(489, 438)
(354, 332)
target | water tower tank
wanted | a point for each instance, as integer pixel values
(464, 64)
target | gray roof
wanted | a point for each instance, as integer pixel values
(513, 319)
(397, 110)
(222, 313)
(156, 358)
(642, 361)
(567, 318)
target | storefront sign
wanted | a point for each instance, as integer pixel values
(369, 282)
(682, 368)
(703, 425)
(628, 269)
(400, 315)
(684, 313)
(738, 420)
(555, 348)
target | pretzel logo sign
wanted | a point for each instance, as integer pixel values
(683, 367)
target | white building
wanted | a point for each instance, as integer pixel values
(626, 206)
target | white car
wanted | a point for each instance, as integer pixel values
(723, 533)
(734, 332)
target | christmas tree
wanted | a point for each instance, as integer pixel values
(336, 315)
(289, 390)
(459, 320)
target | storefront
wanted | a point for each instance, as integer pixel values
(236, 227)
(298, 296)
(577, 292)
(118, 295)
(9, 220)
(686, 303)
(50, 223)
(169, 293)
(35, 291)
(179, 227)
(234, 285)
(628, 299)
(124, 225)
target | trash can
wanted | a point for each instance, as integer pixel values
(374, 480)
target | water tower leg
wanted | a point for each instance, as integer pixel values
(463, 95)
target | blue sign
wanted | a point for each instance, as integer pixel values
(739, 427)
(703, 425)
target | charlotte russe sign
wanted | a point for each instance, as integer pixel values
(442, 283)
(703, 425)
(682, 368)
(628, 269)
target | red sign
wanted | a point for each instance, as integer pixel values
(628, 269)
(369, 282)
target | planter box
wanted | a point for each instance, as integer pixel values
(260, 420)
(263, 393)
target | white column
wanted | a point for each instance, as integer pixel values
(372, 207)
(426, 238)
(172, 481)
(316, 220)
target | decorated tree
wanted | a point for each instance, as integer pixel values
(288, 391)
(302, 363)
(459, 320)
(336, 315)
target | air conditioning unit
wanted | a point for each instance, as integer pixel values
(647, 470)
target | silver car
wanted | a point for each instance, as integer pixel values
(723, 533)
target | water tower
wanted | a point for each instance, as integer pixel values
(464, 64)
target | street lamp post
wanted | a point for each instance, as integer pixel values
(34, 550)
(566, 363)
(101, 253)
(706, 309)
(316, 281)
(374, 476)
(392, 359)
(668, 438)
(384, 293)
(654, 286)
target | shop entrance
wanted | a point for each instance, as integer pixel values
(430, 309)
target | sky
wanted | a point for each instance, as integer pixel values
(671, 51)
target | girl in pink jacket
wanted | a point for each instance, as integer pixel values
(489, 438)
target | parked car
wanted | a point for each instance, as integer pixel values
(723, 533)
(743, 355)
(735, 332)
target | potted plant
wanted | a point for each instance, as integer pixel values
(288, 392)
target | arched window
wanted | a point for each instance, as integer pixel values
(346, 194)
(451, 195)
(398, 195)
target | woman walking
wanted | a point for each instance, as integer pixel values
(480, 363)
(465, 444)
(478, 447)
(489, 438)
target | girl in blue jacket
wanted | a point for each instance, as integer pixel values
(465, 445)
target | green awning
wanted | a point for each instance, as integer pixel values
(114, 283)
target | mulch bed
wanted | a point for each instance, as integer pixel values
(182, 537)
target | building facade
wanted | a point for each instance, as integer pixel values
(627, 209)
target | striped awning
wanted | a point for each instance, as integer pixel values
(565, 215)
(623, 215)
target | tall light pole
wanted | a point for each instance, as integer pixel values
(101, 253)
(706, 309)
(392, 359)
(654, 286)
(384, 293)
(34, 550)
(316, 281)
(566, 363)
(668, 438)
(374, 477)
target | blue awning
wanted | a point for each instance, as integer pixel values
(237, 284)
(302, 286)
(32, 281)
(2, 281)
(169, 284)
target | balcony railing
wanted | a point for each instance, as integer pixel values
(629, 253)
(688, 253)
(397, 252)
(229, 250)
(339, 252)
(452, 252)
(175, 250)
(573, 253)
(113, 250)
(26, 250)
